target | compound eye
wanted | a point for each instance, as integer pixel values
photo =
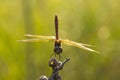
(58, 50)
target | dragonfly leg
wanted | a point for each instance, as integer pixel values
(60, 57)
(53, 55)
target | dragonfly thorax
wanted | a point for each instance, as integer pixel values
(57, 47)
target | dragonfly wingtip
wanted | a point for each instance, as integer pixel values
(97, 52)
(21, 40)
(27, 34)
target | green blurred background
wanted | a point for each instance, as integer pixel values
(95, 22)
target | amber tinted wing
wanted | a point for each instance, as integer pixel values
(79, 45)
(38, 38)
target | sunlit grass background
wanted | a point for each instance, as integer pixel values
(95, 22)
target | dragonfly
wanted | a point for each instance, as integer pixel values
(57, 41)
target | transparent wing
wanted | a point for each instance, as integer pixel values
(38, 38)
(86, 44)
(79, 45)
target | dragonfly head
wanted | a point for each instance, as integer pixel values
(57, 47)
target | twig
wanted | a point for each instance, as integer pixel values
(56, 67)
